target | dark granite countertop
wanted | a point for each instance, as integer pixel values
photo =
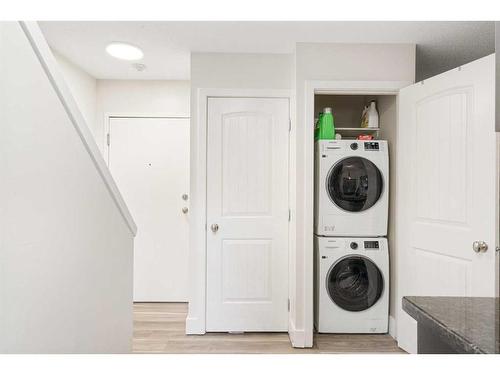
(468, 324)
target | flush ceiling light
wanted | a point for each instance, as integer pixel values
(124, 51)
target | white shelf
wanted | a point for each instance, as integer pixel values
(359, 130)
(352, 133)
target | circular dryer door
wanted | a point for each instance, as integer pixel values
(354, 184)
(355, 283)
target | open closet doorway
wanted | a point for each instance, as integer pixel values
(149, 160)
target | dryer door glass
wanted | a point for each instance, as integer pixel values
(355, 283)
(354, 184)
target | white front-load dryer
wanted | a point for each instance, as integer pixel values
(351, 189)
(352, 285)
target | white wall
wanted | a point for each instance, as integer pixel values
(497, 244)
(96, 98)
(244, 71)
(221, 71)
(83, 87)
(329, 62)
(66, 251)
(355, 62)
(134, 97)
(497, 77)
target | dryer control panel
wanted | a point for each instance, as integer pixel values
(366, 245)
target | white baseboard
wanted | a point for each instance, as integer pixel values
(408, 334)
(297, 337)
(194, 326)
(392, 327)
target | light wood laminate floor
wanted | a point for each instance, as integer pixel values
(160, 328)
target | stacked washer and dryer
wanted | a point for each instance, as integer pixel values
(350, 226)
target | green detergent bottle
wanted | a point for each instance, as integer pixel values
(325, 127)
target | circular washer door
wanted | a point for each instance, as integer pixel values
(354, 184)
(355, 283)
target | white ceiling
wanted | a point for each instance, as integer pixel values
(167, 45)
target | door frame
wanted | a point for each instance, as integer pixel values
(313, 87)
(110, 115)
(196, 318)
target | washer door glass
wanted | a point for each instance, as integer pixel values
(354, 184)
(355, 283)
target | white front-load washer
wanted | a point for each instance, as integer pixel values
(352, 285)
(351, 188)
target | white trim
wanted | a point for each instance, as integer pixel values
(392, 327)
(204, 94)
(196, 319)
(313, 87)
(297, 337)
(51, 69)
(195, 326)
(357, 87)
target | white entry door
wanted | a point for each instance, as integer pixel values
(447, 188)
(149, 160)
(247, 214)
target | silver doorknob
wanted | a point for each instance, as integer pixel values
(480, 246)
(214, 227)
(185, 210)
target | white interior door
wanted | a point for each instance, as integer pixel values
(247, 214)
(447, 184)
(149, 160)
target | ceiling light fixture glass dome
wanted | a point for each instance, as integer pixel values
(124, 51)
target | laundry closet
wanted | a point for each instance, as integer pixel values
(354, 186)
(365, 294)
(433, 132)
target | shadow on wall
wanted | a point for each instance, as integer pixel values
(474, 42)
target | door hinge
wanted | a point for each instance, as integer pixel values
(288, 305)
(289, 215)
(289, 125)
(108, 139)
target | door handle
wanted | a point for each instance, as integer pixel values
(185, 210)
(214, 227)
(480, 246)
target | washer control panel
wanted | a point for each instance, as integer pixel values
(371, 245)
(372, 146)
